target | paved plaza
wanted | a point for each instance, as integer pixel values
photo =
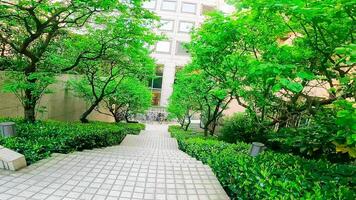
(147, 166)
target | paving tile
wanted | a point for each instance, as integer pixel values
(145, 166)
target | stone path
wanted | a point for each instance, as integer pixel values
(147, 166)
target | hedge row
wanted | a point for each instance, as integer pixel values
(270, 175)
(39, 140)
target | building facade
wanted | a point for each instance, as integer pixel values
(178, 18)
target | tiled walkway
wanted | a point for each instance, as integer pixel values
(148, 166)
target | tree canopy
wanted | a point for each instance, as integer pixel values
(39, 39)
(282, 60)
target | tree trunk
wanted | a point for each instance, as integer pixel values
(188, 124)
(213, 128)
(128, 120)
(30, 113)
(206, 130)
(29, 107)
(117, 118)
(181, 123)
(84, 116)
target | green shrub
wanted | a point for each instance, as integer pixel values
(318, 139)
(40, 139)
(270, 175)
(241, 128)
(311, 142)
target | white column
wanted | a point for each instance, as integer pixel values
(167, 83)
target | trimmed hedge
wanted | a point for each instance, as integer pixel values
(39, 140)
(270, 175)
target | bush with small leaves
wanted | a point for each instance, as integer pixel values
(39, 140)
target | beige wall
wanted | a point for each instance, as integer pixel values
(233, 108)
(62, 104)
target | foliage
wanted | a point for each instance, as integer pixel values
(325, 136)
(270, 175)
(241, 128)
(40, 139)
(131, 97)
(346, 122)
(313, 142)
(182, 104)
(194, 92)
(317, 137)
(40, 39)
(126, 56)
(281, 60)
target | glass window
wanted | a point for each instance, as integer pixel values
(163, 46)
(185, 27)
(169, 5)
(150, 4)
(180, 49)
(156, 82)
(189, 7)
(167, 25)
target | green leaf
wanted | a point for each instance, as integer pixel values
(306, 75)
(295, 87)
(277, 88)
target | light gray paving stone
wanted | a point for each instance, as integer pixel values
(145, 166)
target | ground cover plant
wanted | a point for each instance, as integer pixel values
(270, 175)
(39, 140)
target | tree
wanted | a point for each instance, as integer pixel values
(273, 55)
(197, 93)
(126, 39)
(35, 37)
(103, 80)
(130, 98)
(181, 104)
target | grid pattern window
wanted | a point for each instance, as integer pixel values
(167, 25)
(189, 7)
(181, 50)
(163, 47)
(151, 4)
(169, 5)
(186, 27)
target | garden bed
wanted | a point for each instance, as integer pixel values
(270, 175)
(39, 140)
